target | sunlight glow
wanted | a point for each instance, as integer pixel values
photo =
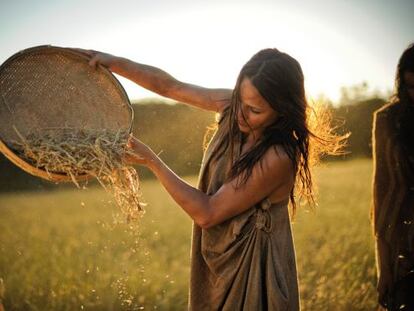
(207, 43)
(181, 44)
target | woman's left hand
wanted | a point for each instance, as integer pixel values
(97, 58)
(137, 152)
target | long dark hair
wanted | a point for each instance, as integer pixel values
(405, 112)
(405, 64)
(280, 81)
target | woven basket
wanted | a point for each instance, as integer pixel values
(49, 87)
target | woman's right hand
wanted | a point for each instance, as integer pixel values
(137, 152)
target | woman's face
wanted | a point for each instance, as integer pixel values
(409, 83)
(255, 113)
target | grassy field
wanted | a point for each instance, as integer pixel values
(69, 250)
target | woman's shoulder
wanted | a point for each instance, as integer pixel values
(223, 113)
(387, 110)
(385, 120)
(277, 157)
(278, 152)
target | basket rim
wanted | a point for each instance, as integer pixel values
(24, 165)
(51, 48)
(27, 167)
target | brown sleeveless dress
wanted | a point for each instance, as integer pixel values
(247, 262)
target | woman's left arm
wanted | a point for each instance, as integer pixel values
(230, 200)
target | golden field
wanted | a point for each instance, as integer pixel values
(70, 250)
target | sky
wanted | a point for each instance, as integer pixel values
(338, 43)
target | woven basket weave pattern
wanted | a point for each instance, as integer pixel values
(49, 87)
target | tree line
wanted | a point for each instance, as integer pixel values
(176, 132)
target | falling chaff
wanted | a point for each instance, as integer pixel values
(76, 152)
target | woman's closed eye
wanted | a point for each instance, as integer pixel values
(254, 110)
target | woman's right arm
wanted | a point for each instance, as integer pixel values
(162, 83)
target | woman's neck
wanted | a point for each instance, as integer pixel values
(250, 139)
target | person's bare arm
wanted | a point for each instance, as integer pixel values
(162, 83)
(209, 210)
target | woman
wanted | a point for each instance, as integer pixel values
(393, 191)
(260, 155)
